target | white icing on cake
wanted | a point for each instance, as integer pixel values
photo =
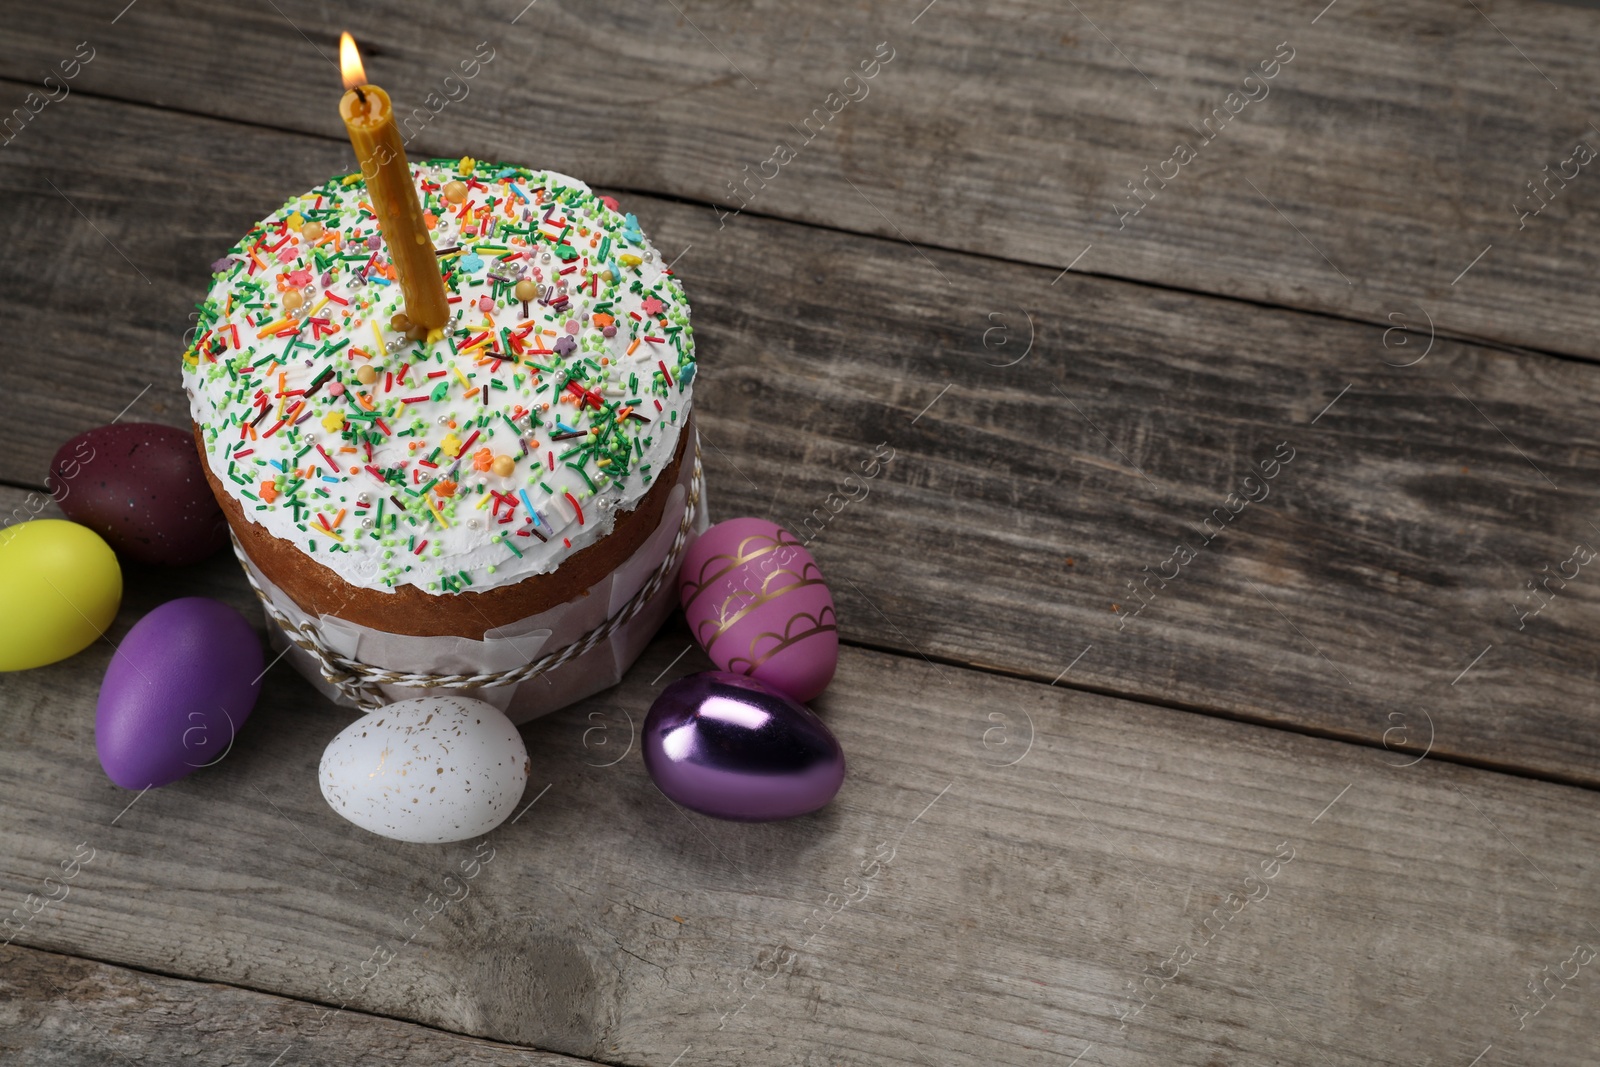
(359, 474)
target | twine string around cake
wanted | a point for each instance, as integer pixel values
(360, 682)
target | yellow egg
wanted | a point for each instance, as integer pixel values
(60, 587)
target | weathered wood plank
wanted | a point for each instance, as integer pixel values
(1022, 500)
(1006, 865)
(60, 1010)
(1395, 146)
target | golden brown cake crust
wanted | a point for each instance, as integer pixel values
(416, 612)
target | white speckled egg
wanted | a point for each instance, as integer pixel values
(428, 770)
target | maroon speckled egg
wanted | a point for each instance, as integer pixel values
(140, 486)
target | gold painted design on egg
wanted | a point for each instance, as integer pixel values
(740, 556)
(728, 622)
(785, 639)
(808, 573)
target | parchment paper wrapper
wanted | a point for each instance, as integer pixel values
(522, 642)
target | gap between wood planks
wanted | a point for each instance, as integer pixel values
(25, 487)
(401, 1020)
(1284, 725)
(1466, 338)
(1171, 705)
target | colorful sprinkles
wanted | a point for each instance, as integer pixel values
(470, 462)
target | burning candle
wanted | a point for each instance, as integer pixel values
(369, 119)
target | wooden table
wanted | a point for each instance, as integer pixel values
(1316, 787)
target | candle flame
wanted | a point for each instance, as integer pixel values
(350, 62)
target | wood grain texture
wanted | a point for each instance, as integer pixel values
(57, 1011)
(1022, 499)
(1007, 865)
(1394, 148)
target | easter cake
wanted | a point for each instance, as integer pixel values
(415, 499)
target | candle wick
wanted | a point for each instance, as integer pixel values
(361, 96)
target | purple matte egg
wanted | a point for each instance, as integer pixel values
(757, 604)
(140, 486)
(181, 684)
(727, 746)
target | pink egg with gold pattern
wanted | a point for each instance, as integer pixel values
(757, 604)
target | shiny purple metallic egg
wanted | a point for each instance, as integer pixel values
(728, 746)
